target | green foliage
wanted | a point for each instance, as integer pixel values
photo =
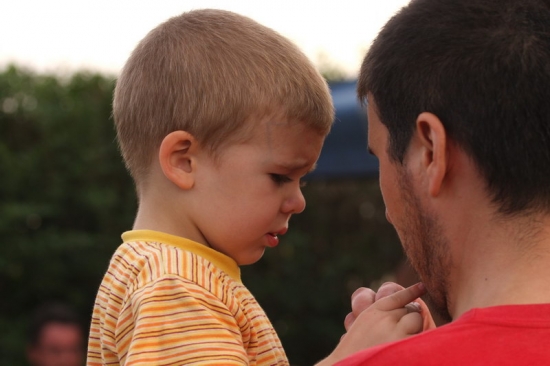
(65, 198)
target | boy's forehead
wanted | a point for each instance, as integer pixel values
(270, 126)
(264, 121)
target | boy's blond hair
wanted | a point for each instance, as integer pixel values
(208, 72)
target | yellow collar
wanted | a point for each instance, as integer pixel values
(220, 260)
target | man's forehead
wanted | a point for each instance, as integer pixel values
(375, 129)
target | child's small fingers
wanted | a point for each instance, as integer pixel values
(413, 307)
(361, 299)
(411, 323)
(401, 298)
(387, 289)
(425, 311)
(348, 321)
(362, 291)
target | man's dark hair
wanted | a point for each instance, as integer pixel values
(48, 313)
(481, 66)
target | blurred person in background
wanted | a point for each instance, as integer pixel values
(55, 337)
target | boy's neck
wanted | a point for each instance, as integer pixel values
(157, 212)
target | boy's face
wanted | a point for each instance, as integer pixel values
(246, 198)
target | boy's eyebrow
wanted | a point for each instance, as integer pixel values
(313, 167)
(297, 166)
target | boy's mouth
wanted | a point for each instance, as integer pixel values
(274, 239)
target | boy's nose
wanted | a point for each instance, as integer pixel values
(295, 203)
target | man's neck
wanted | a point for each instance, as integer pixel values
(502, 262)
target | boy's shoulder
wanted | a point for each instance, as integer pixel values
(138, 254)
(138, 263)
(155, 257)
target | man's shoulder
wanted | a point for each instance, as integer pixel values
(508, 331)
(421, 349)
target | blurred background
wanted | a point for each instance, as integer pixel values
(65, 196)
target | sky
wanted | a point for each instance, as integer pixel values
(64, 36)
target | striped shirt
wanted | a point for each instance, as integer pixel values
(166, 300)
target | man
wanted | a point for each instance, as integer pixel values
(55, 337)
(458, 103)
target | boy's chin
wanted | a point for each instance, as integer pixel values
(251, 258)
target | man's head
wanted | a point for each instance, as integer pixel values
(213, 74)
(470, 76)
(482, 67)
(55, 337)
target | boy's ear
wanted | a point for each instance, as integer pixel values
(435, 156)
(177, 158)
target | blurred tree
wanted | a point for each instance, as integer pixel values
(65, 198)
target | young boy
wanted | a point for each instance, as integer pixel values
(218, 118)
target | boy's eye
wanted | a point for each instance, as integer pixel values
(280, 179)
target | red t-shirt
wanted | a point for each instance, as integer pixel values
(500, 335)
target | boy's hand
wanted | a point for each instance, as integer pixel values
(364, 297)
(387, 319)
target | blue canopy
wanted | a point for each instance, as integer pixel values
(344, 153)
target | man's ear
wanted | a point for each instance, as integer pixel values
(435, 156)
(177, 158)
